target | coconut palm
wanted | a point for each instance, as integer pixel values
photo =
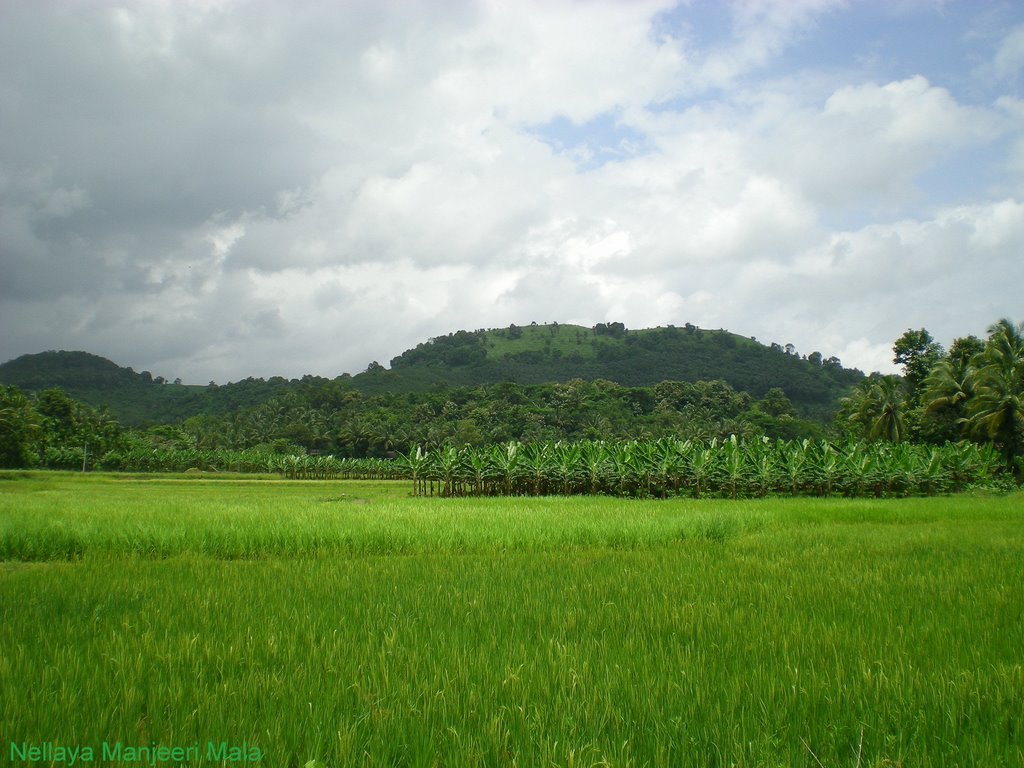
(996, 411)
(948, 385)
(945, 394)
(878, 406)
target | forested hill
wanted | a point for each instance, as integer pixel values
(133, 398)
(533, 354)
(538, 354)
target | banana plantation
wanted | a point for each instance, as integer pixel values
(249, 461)
(732, 468)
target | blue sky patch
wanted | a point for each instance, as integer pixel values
(592, 144)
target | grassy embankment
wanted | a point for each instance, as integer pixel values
(348, 623)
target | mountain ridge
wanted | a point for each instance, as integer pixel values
(527, 355)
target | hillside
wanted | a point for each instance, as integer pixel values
(533, 354)
(538, 354)
(133, 398)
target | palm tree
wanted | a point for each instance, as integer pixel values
(948, 385)
(878, 405)
(355, 435)
(996, 411)
(944, 396)
(20, 429)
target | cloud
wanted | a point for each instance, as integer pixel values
(868, 144)
(219, 190)
(761, 30)
(1009, 58)
(885, 278)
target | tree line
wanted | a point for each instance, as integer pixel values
(319, 417)
(972, 391)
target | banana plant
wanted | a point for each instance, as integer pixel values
(734, 472)
(538, 466)
(703, 466)
(447, 470)
(507, 462)
(826, 465)
(594, 466)
(479, 472)
(568, 466)
(764, 467)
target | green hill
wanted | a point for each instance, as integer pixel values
(133, 398)
(81, 371)
(537, 354)
(533, 354)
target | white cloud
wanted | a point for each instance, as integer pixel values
(1013, 161)
(217, 190)
(888, 277)
(868, 143)
(1009, 57)
(531, 62)
(762, 29)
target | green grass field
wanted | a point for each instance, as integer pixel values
(261, 622)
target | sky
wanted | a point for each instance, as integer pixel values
(216, 190)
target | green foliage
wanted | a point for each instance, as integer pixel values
(21, 432)
(731, 468)
(973, 392)
(877, 409)
(945, 393)
(134, 399)
(996, 410)
(531, 355)
(330, 418)
(976, 392)
(982, 396)
(963, 349)
(455, 349)
(917, 352)
(53, 430)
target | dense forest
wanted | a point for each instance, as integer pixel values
(326, 417)
(972, 392)
(529, 355)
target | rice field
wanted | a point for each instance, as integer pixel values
(191, 621)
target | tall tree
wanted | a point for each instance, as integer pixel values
(963, 349)
(918, 353)
(996, 411)
(20, 429)
(945, 393)
(877, 409)
(946, 390)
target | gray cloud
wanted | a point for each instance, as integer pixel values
(218, 190)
